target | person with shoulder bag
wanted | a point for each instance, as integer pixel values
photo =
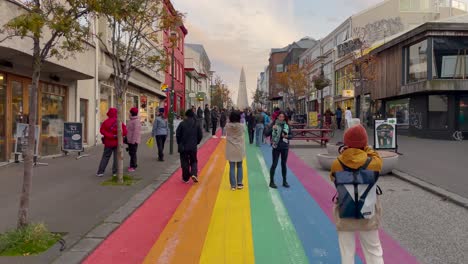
(357, 206)
(280, 136)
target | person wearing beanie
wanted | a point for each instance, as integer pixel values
(354, 154)
(133, 138)
(160, 131)
(188, 135)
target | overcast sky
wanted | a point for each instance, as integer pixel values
(240, 33)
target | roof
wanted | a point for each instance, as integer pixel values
(304, 43)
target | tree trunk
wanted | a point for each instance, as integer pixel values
(28, 156)
(120, 120)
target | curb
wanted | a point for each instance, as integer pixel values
(91, 240)
(452, 197)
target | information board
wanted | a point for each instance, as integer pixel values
(21, 138)
(72, 137)
(385, 134)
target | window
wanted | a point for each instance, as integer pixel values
(341, 37)
(343, 79)
(279, 68)
(417, 61)
(52, 118)
(416, 5)
(328, 46)
(398, 109)
(450, 59)
(438, 115)
(463, 115)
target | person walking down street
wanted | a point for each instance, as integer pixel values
(328, 118)
(266, 123)
(109, 132)
(250, 119)
(280, 136)
(214, 121)
(200, 115)
(133, 138)
(222, 123)
(188, 135)
(243, 117)
(348, 117)
(339, 116)
(357, 154)
(160, 132)
(235, 149)
(207, 118)
(259, 127)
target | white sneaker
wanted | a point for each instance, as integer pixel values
(100, 175)
(214, 137)
(223, 137)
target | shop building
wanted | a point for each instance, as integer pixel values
(198, 76)
(422, 79)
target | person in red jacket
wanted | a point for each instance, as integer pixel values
(109, 133)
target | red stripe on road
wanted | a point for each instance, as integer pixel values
(132, 241)
(322, 192)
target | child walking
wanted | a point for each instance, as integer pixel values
(235, 149)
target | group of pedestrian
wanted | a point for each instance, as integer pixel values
(339, 117)
(355, 158)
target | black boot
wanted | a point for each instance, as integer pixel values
(272, 183)
(285, 183)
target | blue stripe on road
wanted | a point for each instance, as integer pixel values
(316, 232)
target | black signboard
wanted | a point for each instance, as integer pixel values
(72, 137)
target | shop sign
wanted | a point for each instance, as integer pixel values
(385, 134)
(201, 96)
(348, 93)
(72, 137)
(348, 47)
(164, 87)
(313, 119)
(21, 139)
(192, 95)
(313, 96)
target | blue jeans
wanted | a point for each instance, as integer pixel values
(232, 173)
(259, 134)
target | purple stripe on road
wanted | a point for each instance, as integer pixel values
(322, 192)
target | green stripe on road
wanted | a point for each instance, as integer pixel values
(275, 238)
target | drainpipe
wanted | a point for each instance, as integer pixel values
(96, 86)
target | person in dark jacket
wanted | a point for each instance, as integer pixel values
(222, 123)
(339, 116)
(109, 133)
(214, 121)
(200, 116)
(188, 135)
(280, 136)
(207, 118)
(250, 119)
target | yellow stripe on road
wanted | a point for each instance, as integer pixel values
(229, 238)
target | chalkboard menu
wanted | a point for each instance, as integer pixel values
(72, 137)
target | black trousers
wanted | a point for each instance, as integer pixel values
(214, 126)
(207, 124)
(160, 141)
(188, 162)
(132, 151)
(276, 153)
(338, 123)
(105, 159)
(251, 136)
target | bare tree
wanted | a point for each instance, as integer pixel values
(135, 42)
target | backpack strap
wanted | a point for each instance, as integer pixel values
(368, 161)
(363, 167)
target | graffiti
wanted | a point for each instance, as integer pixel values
(458, 136)
(415, 119)
(378, 30)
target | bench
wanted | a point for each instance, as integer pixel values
(318, 135)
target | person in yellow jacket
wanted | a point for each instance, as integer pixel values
(354, 155)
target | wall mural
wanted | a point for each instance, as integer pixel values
(378, 30)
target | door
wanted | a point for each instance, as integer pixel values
(3, 117)
(19, 107)
(84, 118)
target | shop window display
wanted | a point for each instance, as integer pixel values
(450, 58)
(52, 118)
(417, 62)
(399, 109)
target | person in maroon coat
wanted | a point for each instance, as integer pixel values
(109, 133)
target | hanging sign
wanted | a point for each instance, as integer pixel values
(72, 137)
(348, 93)
(385, 134)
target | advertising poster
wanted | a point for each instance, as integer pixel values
(72, 137)
(21, 138)
(385, 135)
(313, 119)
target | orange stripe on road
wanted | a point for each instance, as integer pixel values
(183, 238)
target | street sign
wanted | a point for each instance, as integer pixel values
(72, 137)
(385, 134)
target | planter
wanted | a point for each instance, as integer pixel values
(326, 161)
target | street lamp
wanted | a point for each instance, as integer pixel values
(322, 76)
(171, 98)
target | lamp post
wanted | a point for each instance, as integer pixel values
(171, 99)
(322, 76)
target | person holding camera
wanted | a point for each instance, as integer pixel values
(280, 136)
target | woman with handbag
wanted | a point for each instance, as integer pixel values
(280, 136)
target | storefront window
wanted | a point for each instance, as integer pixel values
(438, 115)
(3, 117)
(343, 80)
(417, 62)
(450, 58)
(53, 116)
(463, 115)
(398, 109)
